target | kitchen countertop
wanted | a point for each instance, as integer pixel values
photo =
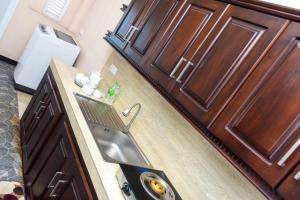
(170, 143)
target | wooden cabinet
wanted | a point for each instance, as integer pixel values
(290, 187)
(71, 185)
(190, 27)
(210, 79)
(129, 22)
(261, 124)
(52, 163)
(233, 70)
(64, 178)
(150, 28)
(52, 169)
(204, 78)
(38, 121)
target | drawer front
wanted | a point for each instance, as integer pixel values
(290, 187)
(39, 99)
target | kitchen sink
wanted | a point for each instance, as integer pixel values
(115, 145)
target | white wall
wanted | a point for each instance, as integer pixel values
(104, 15)
(7, 8)
(288, 3)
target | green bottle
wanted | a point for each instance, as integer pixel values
(113, 92)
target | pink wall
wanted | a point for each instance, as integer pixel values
(28, 15)
(104, 15)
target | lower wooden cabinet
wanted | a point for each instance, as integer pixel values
(54, 170)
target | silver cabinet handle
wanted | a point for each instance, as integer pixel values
(183, 71)
(286, 156)
(39, 110)
(51, 185)
(297, 176)
(182, 59)
(131, 33)
(53, 192)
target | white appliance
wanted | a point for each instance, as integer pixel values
(45, 43)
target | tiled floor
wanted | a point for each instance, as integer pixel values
(10, 151)
(11, 102)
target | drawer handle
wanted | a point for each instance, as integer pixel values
(51, 185)
(182, 59)
(297, 176)
(38, 107)
(286, 156)
(189, 64)
(38, 112)
(53, 192)
(131, 33)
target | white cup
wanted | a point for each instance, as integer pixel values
(88, 90)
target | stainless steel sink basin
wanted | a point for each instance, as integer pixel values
(119, 147)
(115, 145)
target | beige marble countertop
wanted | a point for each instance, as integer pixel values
(170, 143)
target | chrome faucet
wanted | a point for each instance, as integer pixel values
(128, 111)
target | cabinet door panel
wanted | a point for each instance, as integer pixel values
(194, 22)
(131, 18)
(159, 12)
(52, 171)
(45, 119)
(40, 97)
(225, 61)
(262, 122)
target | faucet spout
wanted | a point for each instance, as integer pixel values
(128, 111)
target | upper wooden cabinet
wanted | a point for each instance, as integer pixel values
(220, 66)
(160, 13)
(233, 70)
(129, 22)
(262, 124)
(191, 26)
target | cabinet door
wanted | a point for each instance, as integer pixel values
(129, 22)
(149, 29)
(219, 68)
(39, 98)
(51, 165)
(262, 123)
(73, 183)
(290, 187)
(47, 113)
(74, 187)
(195, 20)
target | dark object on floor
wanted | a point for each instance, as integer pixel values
(11, 190)
(10, 151)
(8, 60)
